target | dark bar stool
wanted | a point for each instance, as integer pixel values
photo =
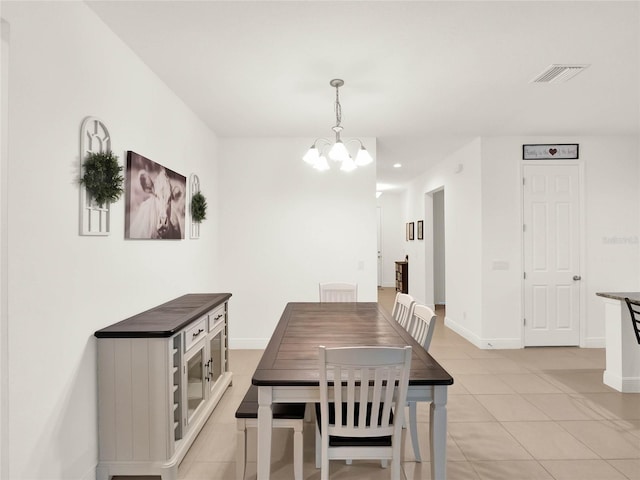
(634, 310)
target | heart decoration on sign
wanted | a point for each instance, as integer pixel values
(553, 151)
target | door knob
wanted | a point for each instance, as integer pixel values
(577, 277)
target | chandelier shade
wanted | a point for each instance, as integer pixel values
(337, 151)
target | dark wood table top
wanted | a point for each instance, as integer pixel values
(291, 357)
(166, 319)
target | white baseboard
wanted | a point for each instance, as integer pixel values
(501, 344)
(622, 384)
(462, 331)
(483, 343)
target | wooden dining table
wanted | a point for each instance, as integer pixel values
(288, 370)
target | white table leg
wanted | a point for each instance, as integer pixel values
(265, 424)
(241, 448)
(298, 448)
(438, 432)
(413, 428)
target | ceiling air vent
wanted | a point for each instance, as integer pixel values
(558, 73)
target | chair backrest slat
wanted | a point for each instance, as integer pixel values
(338, 292)
(363, 397)
(422, 325)
(403, 308)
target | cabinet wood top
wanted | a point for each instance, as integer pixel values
(166, 319)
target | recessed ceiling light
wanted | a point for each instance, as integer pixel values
(397, 165)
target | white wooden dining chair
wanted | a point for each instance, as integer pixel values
(338, 292)
(403, 309)
(421, 327)
(359, 420)
(335, 292)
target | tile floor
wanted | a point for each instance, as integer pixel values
(537, 413)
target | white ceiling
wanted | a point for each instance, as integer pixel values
(422, 76)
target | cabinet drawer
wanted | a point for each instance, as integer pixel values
(216, 316)
(195, 333)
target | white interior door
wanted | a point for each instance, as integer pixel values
(551, 212)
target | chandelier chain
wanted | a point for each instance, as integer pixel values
(338, 108)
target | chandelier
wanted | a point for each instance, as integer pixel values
(337, 151)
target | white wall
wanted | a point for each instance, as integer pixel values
(393, 234)
(502, 241)
(610, 230)
(284, 227)
(487, 226)
(65, 65)
(612, 206)
(459, 174)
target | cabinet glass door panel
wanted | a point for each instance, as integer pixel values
(216, 348)
(195, 381)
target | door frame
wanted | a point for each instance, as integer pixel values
(582, 302)
(429, 250)
(434, 250)
(4, 275)
(379, 241)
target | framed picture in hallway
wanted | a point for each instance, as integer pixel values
(411, 230)
(420, 229)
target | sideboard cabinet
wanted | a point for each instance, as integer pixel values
(160, 375)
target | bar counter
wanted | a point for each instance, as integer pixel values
(622, 350)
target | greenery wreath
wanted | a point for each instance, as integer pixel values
(102, 177)
(198, 207)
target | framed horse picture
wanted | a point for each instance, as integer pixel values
(154, 200)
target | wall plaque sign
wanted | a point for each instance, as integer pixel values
(564, 151)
